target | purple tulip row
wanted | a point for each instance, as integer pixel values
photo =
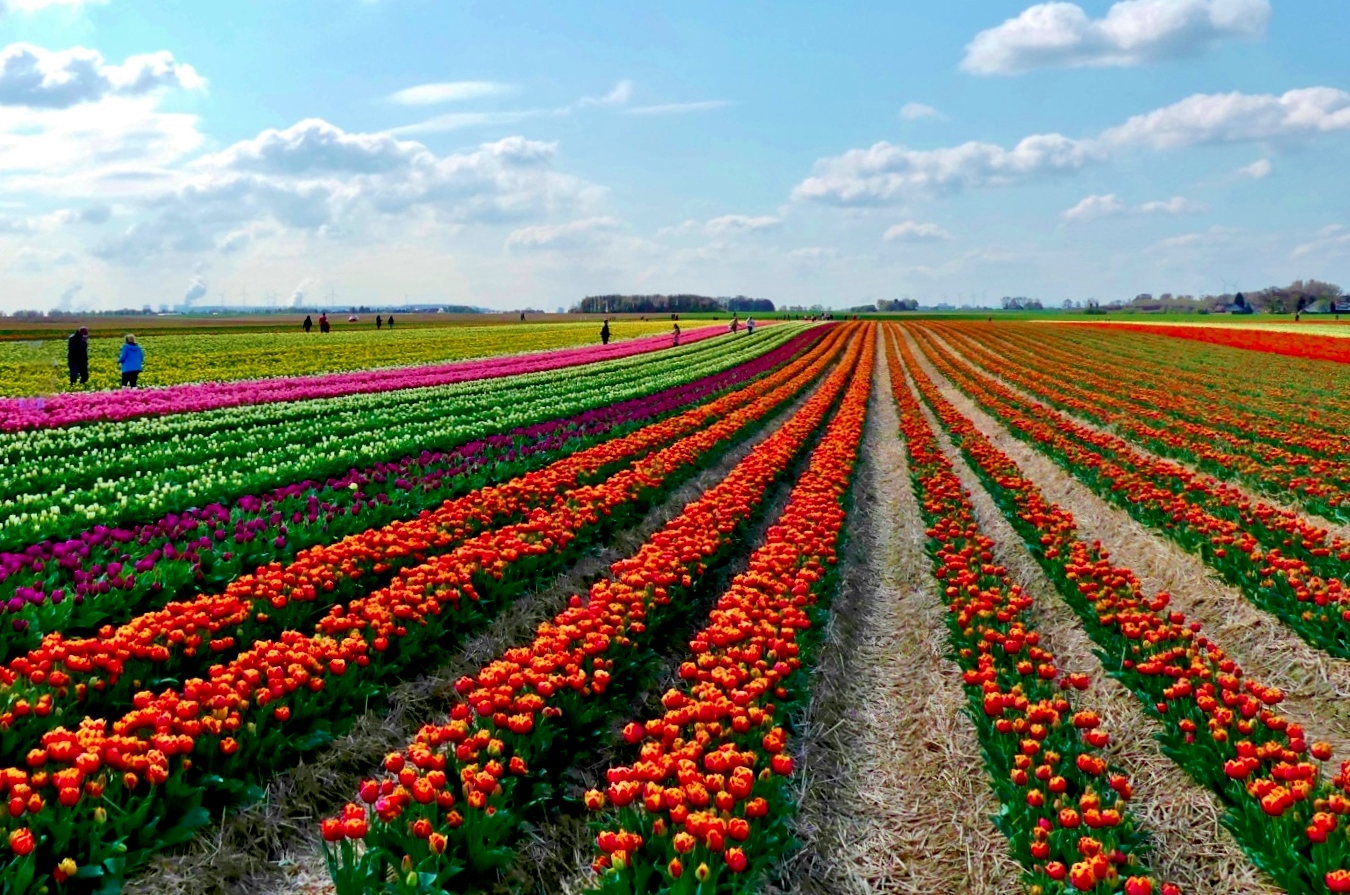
(18, 414)
(51, 584)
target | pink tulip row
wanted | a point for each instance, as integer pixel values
(18, 414)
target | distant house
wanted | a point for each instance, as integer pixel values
(1341, 305)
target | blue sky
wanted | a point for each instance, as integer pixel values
(510, 154)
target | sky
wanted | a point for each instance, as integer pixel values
(512, 154)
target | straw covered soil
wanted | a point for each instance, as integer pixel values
(894, 799)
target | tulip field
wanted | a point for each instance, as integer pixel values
(887, 606)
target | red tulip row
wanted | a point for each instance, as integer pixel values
(1279, 560)
(452, 804)
(1219, 726)
(1065, 810)
(99, 675)
(105, 795)
(706, 807)
(1298, 418)
(1263, 453)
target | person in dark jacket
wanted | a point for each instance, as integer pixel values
(77, 355)
(391, 321)
(132, 360)
(604, 334)
(379, 321)
(308, 324)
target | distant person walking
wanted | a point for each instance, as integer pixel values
(132, 360)
(308, 324)
(604, 334)
(676, 335)
(750, 325)
(735, 323)
(324, 325)
(77, 355)
(522, 316)
(391, 321)
(379, 321)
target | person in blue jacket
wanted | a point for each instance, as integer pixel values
(132, 360)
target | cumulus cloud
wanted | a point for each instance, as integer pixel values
(1237, 118)
(1133, 32)
(449, 92)
(39, 78)
(740, 223)
(1095, 207)
(318, 179)
(573, 234)
(887, 173)
(914, 231)
(1109, 205)
(1257, 170)
(313, 147)
(917, 111)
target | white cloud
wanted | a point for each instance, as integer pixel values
(680, 108)
(1095, 207)
(1177, 205)
(739, 223)
(1109, 205)
(46, 79)
(619, 96)
(913, 231)
(1331, 240)
(574, 234)
(1257, 170)
(317, 179)
(1133, 32)
(449, 92)
(917, 111)
(887, 173)
(454, 121)
(313, 147)
(1213, 237)
(1237, 118)
(120, 145)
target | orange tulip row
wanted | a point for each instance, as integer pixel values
(1219, 726)
(1268, 454)
(706, 800)
(1280, 560)
(99, 675)
(105, 795)
(455, 800)
(1065, 810)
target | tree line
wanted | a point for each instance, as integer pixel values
(671, 304)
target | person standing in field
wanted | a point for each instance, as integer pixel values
(77, 355)
(379, 321)
(324, 325)
(735, 323)
(391, 321)
(676, 335)
(604, 334)
(132, 361)
(308, 324)
(750, 326)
